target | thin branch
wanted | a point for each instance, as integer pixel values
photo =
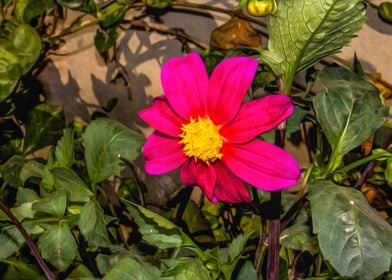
(34, 250)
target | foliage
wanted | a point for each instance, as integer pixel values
(77, 191)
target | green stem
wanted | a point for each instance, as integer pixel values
(308, 173)
(362, 161)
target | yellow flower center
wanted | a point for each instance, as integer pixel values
(201, 139)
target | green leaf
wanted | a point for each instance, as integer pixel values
(113, 14)
(193, 269)
(58, 246)
(26, 10)
(68, 180)
(104, 40)
(10, 69)
(155, 229)
(385, 11)
(352, 236)
(128, 268)
(106, 262)
(106, 140)
(247, 272)
(299, 237)
(88, 6)
(81, 273)
(11, 239)
(92, 223)
(25, 195)
(53, 204)
(303, 32)
(293, 123)
(43, 128)
(65, 149)
(237, 246)
(349, 111)
(11, 169)
(158, 4)
(20, 269)
(388, 172)
(32, 169)
(27, 43)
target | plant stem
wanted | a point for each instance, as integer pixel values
(362, 161)
(34, 250)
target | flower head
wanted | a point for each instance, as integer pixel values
(203, 127)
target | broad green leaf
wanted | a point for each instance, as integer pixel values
(88, 6)
(11, 239)
(53, 204)
(25, 195)
(20, 269)
(237, 246)
(11, 169)
(23, 211)
(32, 169)
(26, 10)
(106, 140)
(10, 69)
(65, 149)
(106, 262)
(43, 128)
(58, 246)
(128, 268)
(68, 180)
(385, 11)
(81, 273)
(92, 223)
(303, 32)
(247, 272)
(155, 229)
(293, 123)
(113, 14)
(27, 45)
(105, 39)
(299, 237)
(352, 236)
(349, 110)
(192, 269)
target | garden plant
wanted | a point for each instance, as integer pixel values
(74, 199)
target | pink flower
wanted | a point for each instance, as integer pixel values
(203, 127)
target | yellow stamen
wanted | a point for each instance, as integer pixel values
(201, 140)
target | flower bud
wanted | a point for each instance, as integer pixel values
(261, 8)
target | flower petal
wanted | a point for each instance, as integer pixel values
(199, 174)
(228, 85)
(185, 82)
(258, 116)
(162, 153)
(262, 164)
(161, 117)
(229, 188)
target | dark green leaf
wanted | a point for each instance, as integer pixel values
(385, 11)
(68, 180)
(299, 237)
(43, 128)
(26, 10)
(27, 45)
(81, 273)
(293, 123)
(11, 169)
(349, 110)
(106, 262)
(352, 236)
(110, 104)
(237, 246)
(11, 239)
(92, 223)
(128, 268)
(302, 33)
(21, 270)
(53, 204)
(106, 140)
(88, 6)
(10, 69)
(155, 229)
(193, 269)
(58, 246)
(65, 149)
(104, 40)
